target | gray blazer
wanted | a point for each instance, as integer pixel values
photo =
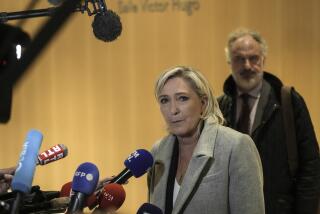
(224, 174)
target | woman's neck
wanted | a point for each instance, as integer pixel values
(188, 143)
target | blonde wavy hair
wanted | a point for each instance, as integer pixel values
(199, 84)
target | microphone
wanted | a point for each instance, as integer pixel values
(106, 23)
(84, 183)
(136, 164)
(56, 152)
(106, 26)
(90, 202)
(24, 173)
(111, 198)
(66, 190)
(148, 208)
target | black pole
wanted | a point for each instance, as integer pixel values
(15, 209)
(122, 177)
(4, 16)
(76, 203)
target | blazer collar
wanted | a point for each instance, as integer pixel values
(207, 138)
(198, 165)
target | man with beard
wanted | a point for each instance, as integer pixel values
(252, 104)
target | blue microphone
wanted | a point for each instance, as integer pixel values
(137, 164)
(84, 183)
(147, 208)
(22, 180)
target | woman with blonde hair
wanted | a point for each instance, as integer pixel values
(201, 166)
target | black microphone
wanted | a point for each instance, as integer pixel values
(107, 27)
(106, 23)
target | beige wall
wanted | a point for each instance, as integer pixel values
(97, 98)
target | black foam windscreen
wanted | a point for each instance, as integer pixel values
(107, 26)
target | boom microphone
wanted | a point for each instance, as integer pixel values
(106, 26)
(54, 153)
(23, 177)
(106, 23)
(84, 183)
(136, 164)
(148, 208)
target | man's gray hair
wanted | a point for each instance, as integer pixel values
(233, 36)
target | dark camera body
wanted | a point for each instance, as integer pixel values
(10, 37)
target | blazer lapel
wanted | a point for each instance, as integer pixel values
(198, 166)
(162, 165)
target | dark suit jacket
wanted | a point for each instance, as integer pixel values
(284, 193)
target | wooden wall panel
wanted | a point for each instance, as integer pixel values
(97, 98)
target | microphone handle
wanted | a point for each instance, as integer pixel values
(122, 177)
(16, 204)
(76, 203)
